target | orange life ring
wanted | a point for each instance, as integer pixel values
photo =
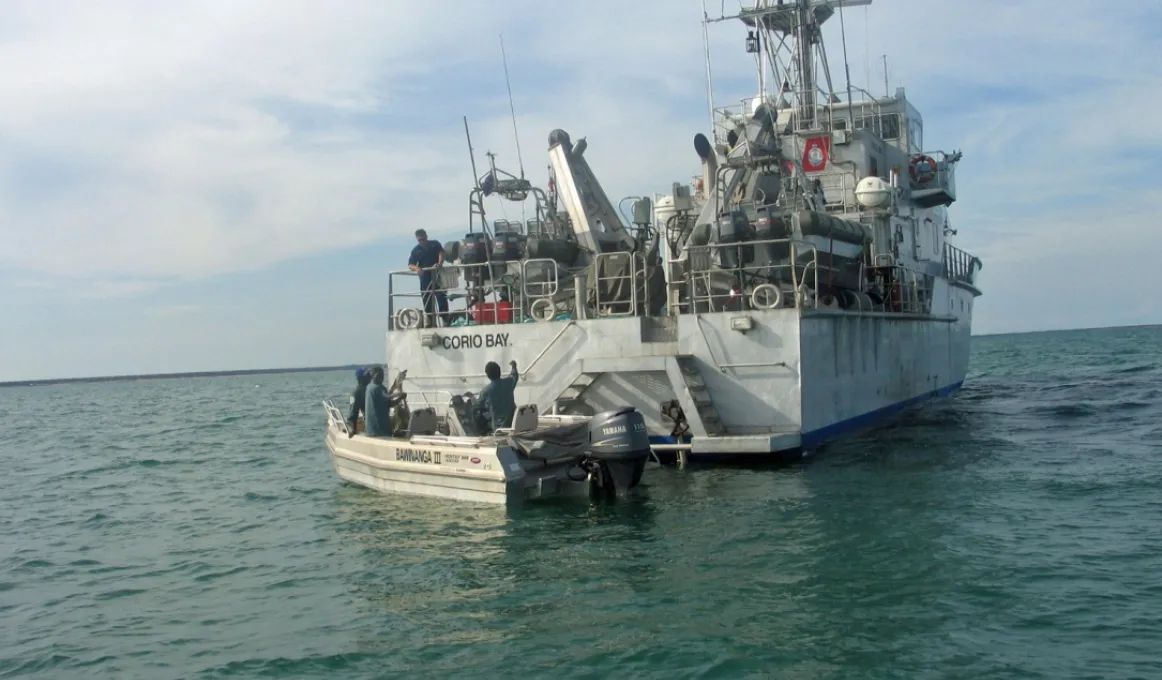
(914, 169)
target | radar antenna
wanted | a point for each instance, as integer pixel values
(512, 108)
(471, 155)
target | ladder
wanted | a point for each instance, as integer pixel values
(576, 388)
(696, 387)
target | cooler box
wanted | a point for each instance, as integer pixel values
(492, 312)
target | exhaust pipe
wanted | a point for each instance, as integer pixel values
(709, 162)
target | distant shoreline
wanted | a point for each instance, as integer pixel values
(171, 376)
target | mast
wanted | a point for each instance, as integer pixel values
(792, 27)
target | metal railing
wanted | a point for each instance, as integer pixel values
(959, 265)
(902, 289)
(634, 275)
(793, 281)
(712, 287)
(838, 190)
(465, 304)
(861, 111)
(548, 269)
(706, 278)
(335, 416)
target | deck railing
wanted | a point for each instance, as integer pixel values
(708, 278)
(960, 265)
(717, 273)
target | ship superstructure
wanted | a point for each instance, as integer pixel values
(802, 286)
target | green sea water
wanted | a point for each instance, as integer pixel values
(195, 529)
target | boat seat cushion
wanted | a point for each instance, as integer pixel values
(526, 419)
(423, 422)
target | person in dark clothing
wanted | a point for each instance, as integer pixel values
(496, 404)
(379, 403)
(427, 255)
(358, 400)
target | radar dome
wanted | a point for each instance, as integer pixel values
(873, 192)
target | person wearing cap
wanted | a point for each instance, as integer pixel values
(358, 401)
(496, 404)
(426, 258)
(379, 403)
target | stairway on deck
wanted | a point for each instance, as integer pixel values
(699, 396)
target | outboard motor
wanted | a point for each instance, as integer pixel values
(474, 250)
(619, 446)
(771, 226)
(506, 248)
(733, 228)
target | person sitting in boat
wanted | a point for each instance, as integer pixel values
(426, 258)
(379, 402)
(358, 400)
(496, 403)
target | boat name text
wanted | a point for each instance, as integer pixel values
(418, 456)
(475, 341)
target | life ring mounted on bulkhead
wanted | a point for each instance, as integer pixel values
(766, 296)
(408, 318)
(543, 309)
(922, 176)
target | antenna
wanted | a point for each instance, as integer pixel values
(512, 108)
(866, 53)
(846, 63)
(706, 51)
(887, 89)
(471, 155)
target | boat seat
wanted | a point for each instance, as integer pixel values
(525, 419)
(423, 422)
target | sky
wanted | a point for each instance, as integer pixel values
(226, 184)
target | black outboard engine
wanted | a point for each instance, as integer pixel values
(734, 227)
(474, 250)
(619, 446)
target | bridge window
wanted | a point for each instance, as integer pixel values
(890, 125)
(886, 126)
(871, 123)
(915, 136)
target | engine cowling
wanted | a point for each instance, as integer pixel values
(619, 446)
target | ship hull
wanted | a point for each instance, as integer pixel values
(760, 384)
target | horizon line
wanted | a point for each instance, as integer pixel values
(42, 382)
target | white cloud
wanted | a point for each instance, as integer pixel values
(145, 142)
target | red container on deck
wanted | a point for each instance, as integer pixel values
(492, 312)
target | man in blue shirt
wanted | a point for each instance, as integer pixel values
(427, 255)
(378, 404)
(496, 403)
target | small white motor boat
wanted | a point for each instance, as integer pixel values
(539, 456)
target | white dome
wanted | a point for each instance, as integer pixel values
(873, 192)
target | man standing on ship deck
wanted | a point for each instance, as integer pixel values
(427, 255)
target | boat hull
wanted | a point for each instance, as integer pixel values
(477, 474)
